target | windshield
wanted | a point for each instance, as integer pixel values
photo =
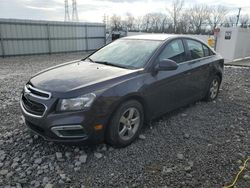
(126, 53)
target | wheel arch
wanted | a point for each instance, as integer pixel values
(128, 98)
(135, 97)
(219, 74)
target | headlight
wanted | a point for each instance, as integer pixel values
(78, 103)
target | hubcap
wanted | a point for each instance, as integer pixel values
(214, 89)
(129, 123)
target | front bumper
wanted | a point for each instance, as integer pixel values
(65, 127)
(77, 126)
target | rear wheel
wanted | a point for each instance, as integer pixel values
(125, 124)
(213, 90)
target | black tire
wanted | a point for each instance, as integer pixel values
(113, 136)
(210, 95)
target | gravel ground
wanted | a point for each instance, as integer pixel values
(202, 145)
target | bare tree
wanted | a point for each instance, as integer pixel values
(199, 15)
(146, 22)
(175, 12)
(129, 21)
(156, 21)
(185, 25)
(230, 21)
(138, 23)
(244, 20)
(115, 22)
(217, 16)
(165, 21)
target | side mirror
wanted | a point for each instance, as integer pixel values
(167, 65)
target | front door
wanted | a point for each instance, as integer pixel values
(171, 89)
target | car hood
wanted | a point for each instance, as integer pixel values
(76, 75)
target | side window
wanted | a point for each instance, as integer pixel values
(206, 51)
(174, 51)
(195, 48)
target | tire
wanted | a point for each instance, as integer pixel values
(125, 124)
(213, 90)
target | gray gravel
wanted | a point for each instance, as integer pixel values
(201, 145)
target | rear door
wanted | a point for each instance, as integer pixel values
(199, 59)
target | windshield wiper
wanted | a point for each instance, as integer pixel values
(106, 63)
(111, 64)
(91, 60)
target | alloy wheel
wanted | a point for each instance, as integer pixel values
(129, 123)
(214, 89)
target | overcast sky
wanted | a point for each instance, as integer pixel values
(93, 10)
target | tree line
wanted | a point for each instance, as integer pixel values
(198, 19)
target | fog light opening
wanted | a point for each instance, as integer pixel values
(69, 131)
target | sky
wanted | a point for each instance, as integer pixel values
(94, 10)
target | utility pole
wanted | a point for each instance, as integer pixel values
(66, 17)
(74, 11)
(107, 22)
(104, 19)
(238, 17)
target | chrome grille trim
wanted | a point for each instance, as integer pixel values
(27, 90)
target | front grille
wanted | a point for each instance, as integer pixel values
(33, 107)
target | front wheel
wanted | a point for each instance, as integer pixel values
(213, 90)
(125, 124)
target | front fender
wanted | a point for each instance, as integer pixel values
(132, 88)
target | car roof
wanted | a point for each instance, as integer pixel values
(163, 37)
(160, 37)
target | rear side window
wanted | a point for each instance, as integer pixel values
(195, 48)
(174, 51)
